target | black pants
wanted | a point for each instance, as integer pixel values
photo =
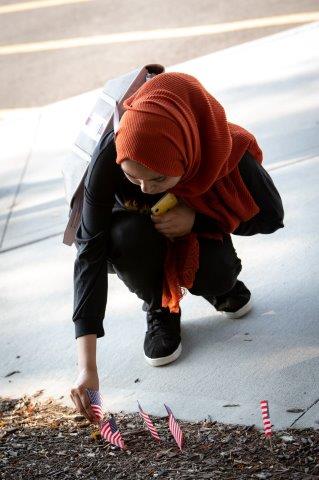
(137, 255)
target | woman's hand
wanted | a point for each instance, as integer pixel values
(87, 378)
(176, 222)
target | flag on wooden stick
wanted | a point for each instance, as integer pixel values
(174, 428)
(111, 433)
(265, 415)
(148, 422)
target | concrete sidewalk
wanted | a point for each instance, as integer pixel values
(269, 86)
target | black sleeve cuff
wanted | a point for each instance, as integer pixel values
(204, 223)
(83, 326)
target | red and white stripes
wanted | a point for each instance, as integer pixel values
(266, 420)
(175, 428)
(149, 423)
(111, 433)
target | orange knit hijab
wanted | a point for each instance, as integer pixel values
(174, 126)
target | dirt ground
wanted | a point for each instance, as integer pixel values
(43, 439)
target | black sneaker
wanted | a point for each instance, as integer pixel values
(236, 303)
(162, 342)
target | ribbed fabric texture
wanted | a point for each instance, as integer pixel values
(174, 126)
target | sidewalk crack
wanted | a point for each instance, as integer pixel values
(287, 163)
(16, 193)
(31, 242)
(303, 413)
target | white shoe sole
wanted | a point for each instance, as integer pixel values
(157, 362)
(241, 312)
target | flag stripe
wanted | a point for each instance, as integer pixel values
(174, 428)
(110, 436)
(96, 402)
(149, 423)
(265, 417)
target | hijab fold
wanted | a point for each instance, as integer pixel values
(175, 127)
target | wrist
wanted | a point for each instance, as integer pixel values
(87, 368)
(87, 379)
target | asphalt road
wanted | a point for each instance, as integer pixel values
(40, 65)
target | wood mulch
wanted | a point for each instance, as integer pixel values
(45, 440)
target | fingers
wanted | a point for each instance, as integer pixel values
(79, 406)
(156, 218)
(82, 403)
(165, 217)
(164, 224)
(163, 227)
(168, 230)
(86, 404)
(167, 225)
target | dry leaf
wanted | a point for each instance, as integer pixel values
(30, 408)
(38, 393)
(95, 435)
(54, 425)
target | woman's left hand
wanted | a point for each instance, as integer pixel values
(176, 222)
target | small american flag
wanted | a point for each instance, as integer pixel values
(96, 402)
(148, 422)
(111, 433)
(174, 427)
(266, 420)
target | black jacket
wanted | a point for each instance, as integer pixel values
(105, 188)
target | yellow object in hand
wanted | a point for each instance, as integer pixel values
(164, 204)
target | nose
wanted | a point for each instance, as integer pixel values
(145, 188)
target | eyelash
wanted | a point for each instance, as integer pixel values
(131, 179)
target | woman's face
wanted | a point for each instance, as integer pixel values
(150, 181)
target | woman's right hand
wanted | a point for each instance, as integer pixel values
(87, 378)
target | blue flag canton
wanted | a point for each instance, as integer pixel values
(112, 424)
(95, 397)
(169, 411)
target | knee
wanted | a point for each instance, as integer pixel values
(218, 282)
(133, 232)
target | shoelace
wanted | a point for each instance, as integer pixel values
(155, 321)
